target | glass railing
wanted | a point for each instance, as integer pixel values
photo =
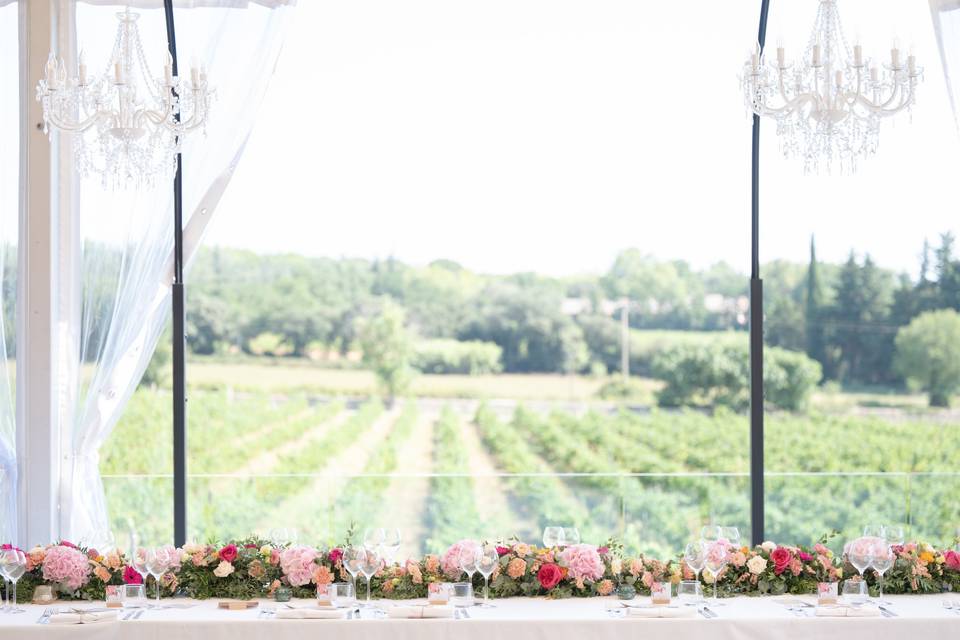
(652, 513)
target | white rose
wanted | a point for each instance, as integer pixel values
(616, 566)
(223, 569)
(756, 565)
(191, 548)
(768, 546)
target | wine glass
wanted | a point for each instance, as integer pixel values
(695, 555)
(351, 561)
(6, 586)
(893, 534)
(14, 564)
(385, 540)
(282, 537)
(138, 560)
(710, 533)
(373, 538)
(571, 535)
(860, 556)
(882, 559)
(732, 535)
(552, 536)
(717, 555)
(467, 560)
(370, 563)
(873, 531)
(486, 561)
(157, 563)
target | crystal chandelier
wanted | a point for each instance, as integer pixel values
(127, 124)
(829, 105)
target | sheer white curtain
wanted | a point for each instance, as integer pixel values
(946, 24)
(9, 212)
(126, 262)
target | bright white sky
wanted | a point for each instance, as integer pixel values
(548, 135)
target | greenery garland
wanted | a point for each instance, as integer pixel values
(253, 568)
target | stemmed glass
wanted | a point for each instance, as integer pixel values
(486, 561)
(370, 563)
(386, 541)
(860, 556)
(351, 562)
(717, 552)
(157, 563)
(553, 536)
(732, 535)
(882, 559)
(138, 560)
(6, 586)
(14, 564)
(571, 535)
(893, 534)
(282, 537)
(467, 560)
(695, 555)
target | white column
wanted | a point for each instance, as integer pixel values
(48, 257)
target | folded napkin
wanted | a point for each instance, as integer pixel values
(306, 613)
(661, 612)
(428, 611)
(848, 612)
(83, 618)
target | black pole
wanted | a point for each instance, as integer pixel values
(179, 329)
(756, 326)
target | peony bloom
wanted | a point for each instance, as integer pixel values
(131, 576)
(952, 560)
(66, 565)
(756, 565)
(549, 576)
(781, 559)
(223, 569)
(199, 559)
(297, 564)
(516, 568)
(583, 561)
(228, 553)
(113, 560)
(605, 587)
(256, 570)
(431, 563)
(451, 558)
(522, 549)
(102, 574)
(768, 546)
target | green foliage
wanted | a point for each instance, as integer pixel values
(719, 376)
(158, 371)
(269, 344)
(453, 356)
(928, 354)
(388, 349)
(620, 389)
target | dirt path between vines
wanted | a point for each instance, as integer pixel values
(267, 460)
(490, 492)
(406, 497)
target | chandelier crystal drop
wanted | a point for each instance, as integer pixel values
(828, 106)
(127, 125)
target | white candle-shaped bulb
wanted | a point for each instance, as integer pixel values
(755, 61)
(874, 75)
(118, 72)
(82, 69)
(781, 56)
(839, 78)
(816, 55)
(912, 64)
(168, 70)
(51, 71)
(203, 73)
(857, 55)
(895, 56)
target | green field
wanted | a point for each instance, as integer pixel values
(282, 446)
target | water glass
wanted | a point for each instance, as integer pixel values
(462, 594)
(827, 593)
(341, 594)
(113, 595)
(439, 592)
(133, 596)
(855, 593)
(571, 535)
(689, 592)
(660, 592)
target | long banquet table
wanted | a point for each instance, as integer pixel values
(918, 618)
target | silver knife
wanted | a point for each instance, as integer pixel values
(887, 612)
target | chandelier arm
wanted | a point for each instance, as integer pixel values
(79, 127)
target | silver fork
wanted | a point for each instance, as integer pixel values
(45, 616)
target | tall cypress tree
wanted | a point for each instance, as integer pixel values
(813, 319)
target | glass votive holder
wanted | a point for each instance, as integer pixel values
(661, 592)
(283, 594)
(341, 594)
(439, 592)
(113, 596)
(626, 592)
(855, 593)
(462, 595)
(689, 592)
(43, 594)
(827, 593)
(324, 597)
(133, 596)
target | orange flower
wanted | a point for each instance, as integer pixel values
(102, 573)
(322, 575)
(926, 557)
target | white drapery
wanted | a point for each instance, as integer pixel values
(126, 262)
(9, 211)
(946, 24)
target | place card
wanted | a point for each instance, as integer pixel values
(114, 596)
(237, 605)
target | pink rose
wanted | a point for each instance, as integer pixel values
(583, 561)
(781, 559)
(131, 576)
(806, 557)
(228, 553)
(952, 560)
(502, 551)
(335, 555)
(549, 576)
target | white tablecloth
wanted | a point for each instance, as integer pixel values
(919, 618)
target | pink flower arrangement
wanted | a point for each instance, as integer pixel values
(450, 563)
(583, 562)
(67, 566)
(297, 564)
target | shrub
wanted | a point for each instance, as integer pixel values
(453, 356)
(719, 375)
(928, 354)
(269, 344)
